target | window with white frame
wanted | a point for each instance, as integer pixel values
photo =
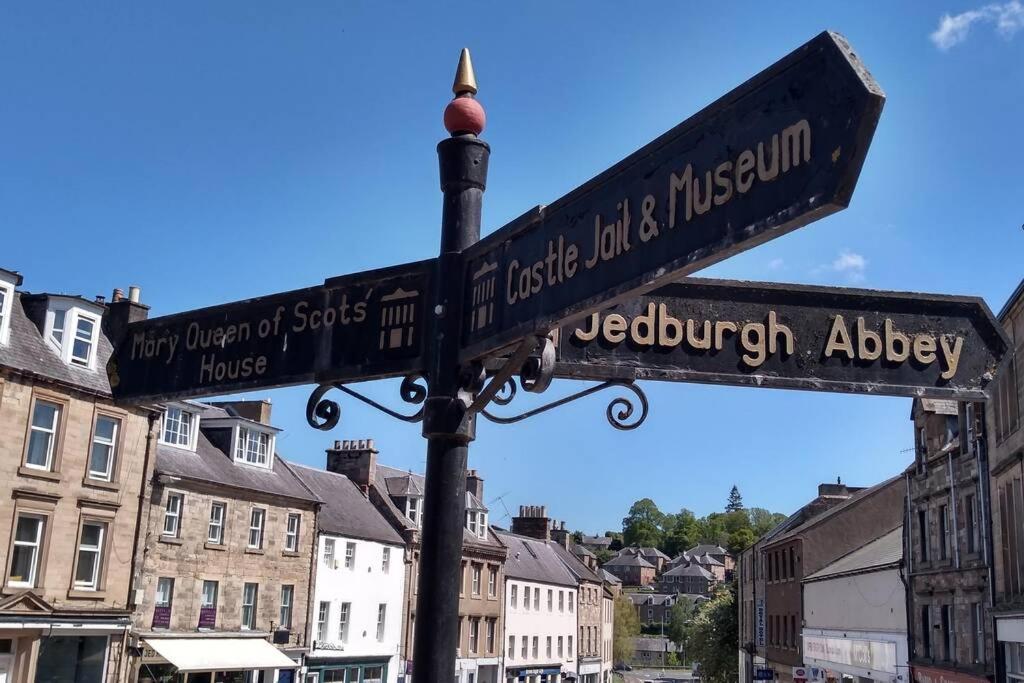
(249, 596)
(252, 447)
(512, 647)
(172, 514)
(350, 555)
(492, 582)
(547, 649)
(491, 628)
(27, 550)
(74, 333)
(570, 646)
(561, 601)
(285, 618)
(6, 304)
(551, 600)
(535, 650)
(524, 652)
(257, 519)
(215, 531)
(536, 598)
(343, 619)
(412, 509)
(572, 601)
(209, 598)
(474, 635)
(1014, 661)
(329, 553)
(526, 597)
(382, 616)
(180, 427)
(514, 595)
(42, 439)
(476, 579)
(104, 447)
(164, 591)
(90, 556)
(385, 562)
(322, 615)
(291, 536)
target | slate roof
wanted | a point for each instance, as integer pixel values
(628, 560)
(403, 486)
(884, 551)
(706, 559)
(532, 560)
(26, 351)
(655, 552)
(603, 541)
(705, 548)
(346, 511)
(580, 551)
(210, 464)
(650, 598)
(834, 510)
(609, 577)
(581, 571)
(384, 473)
(689, 570)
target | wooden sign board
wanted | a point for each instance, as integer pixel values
(355, 327)
(781, 150)
(792, 336)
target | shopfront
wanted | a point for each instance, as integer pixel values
(214, 660)
(59, 651)
(927, 674)
(550, 674)
(856, 656)
(1010, 644)
(350, 670)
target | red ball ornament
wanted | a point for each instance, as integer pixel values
(464, 115)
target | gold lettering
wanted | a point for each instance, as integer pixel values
(647, 322)
(721, 327)
(591, 334)
(774, 330)
(700, 205)
(864, 336)
(764, 173)
(839, 339)
(753, 344)
(679, 184)
(796, 144)
(614, 328)
(691, 334)
(670, 330)
(892, 336)
(924, 349)
(744, 165)
(510, 292)
(951, 356)
(723, 182)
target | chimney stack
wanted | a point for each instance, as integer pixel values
(559, 534)
(120, 313)
(356, 459)
(532, 522)
(474, 484)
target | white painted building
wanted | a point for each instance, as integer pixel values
(540, 613)
(356, 604)
(855, 617)
(607, 632)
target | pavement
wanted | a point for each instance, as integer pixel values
(657, 675)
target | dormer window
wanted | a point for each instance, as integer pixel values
(6, 305)
(180, 428)
(476, 523)
(73, 332)
(412, 509)
(252, 447)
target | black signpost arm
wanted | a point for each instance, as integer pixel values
(447, 424)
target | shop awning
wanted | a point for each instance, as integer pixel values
(220, 654)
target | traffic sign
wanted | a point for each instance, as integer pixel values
(355, 327)
(792, 336)
(781, 150)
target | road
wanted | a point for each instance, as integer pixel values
(641, 675)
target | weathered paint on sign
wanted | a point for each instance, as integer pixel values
(356, 327)
(792, 336)
(781, 150)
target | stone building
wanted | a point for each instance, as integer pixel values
(632, 570)
(945, 541)
(534, 523)
(798, 552)
(398, 496)
(717, 556)
(751, 579)
(540, 613)
(73, 464)
(1005, 441)
(227, 554)
(356, 607)
(687, 578)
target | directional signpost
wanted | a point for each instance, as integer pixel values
(797, 337)
(778, 152)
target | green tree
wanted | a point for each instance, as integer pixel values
(741, 540)
(626, 627)
(678, 532)
(735, 500)
(712, 637)
(642, 526)
(603, 555)
(762, 521)
(681, 613)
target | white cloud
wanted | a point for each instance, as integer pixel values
(1008, 18)
(776, 264)
(848, 263)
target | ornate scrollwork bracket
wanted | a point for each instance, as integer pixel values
(619, 411)
(324, 414)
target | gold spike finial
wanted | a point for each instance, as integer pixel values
(465, 79)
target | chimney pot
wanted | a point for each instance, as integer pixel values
(117, 295)
(100, 299)
(337, 445)
(134, 294)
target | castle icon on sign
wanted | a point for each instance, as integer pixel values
(484, 286)
(397, 319)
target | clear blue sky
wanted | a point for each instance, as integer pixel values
(215, 151)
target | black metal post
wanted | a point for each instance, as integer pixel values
(446, 425)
